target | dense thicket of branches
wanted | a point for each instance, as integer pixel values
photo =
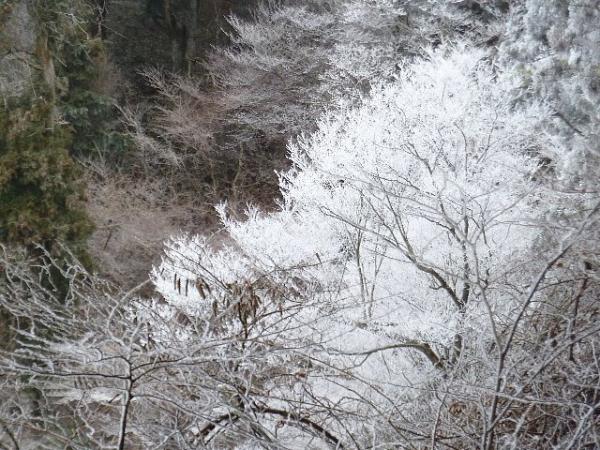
(429, 278)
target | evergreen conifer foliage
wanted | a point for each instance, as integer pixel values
(55, 116)
(40, 192)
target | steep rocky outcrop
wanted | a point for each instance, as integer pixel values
(17, 45)
(171, 34)
(41, 195)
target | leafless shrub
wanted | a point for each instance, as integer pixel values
(133, 219)
(106, 369)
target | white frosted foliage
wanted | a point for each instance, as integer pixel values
(402, 220)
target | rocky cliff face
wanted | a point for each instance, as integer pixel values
(172, 34)
(42, 46)
(17, 45)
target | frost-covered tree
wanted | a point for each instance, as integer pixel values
(412, 244)
(293, 59)
(552, 48)
(85, 365)
(283, 66)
